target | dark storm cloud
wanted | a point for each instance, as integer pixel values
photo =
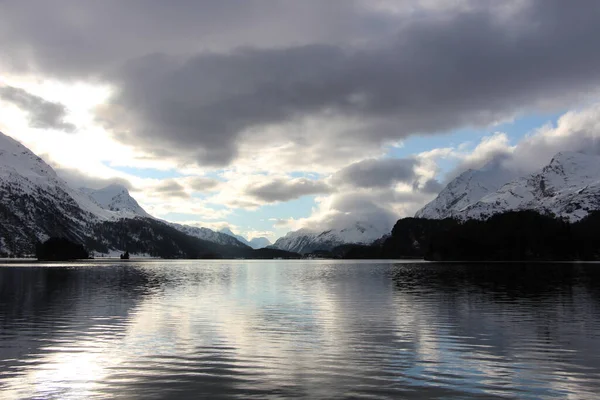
(286, 189)
(41, 113)
(400, 74)
(68, 38)
(375, 173)
(435, 74)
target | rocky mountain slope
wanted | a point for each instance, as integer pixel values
(568, 187)
(305, 241)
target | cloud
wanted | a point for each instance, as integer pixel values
(432, 75)
(431, 186)
(171, 188)
(42, 114)
(285, 189)
(577, 130)
(70, 37)
(372, 173)
(202, 184)
(77, 179)
(401, 69)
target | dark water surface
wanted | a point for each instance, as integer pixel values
(312, 329)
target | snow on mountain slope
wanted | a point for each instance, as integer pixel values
(242, 239)
(568, 187)
(467, 188)
(208, 234)
(116, 198)
(305, 241)
(255, 243)
(259, 242)
(34, 202)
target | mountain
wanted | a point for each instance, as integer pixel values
(466, 189)
(524, 235)
(255, 243)
(210, 235)
(259, 242)
(116, 198)
(36, 204)
(568, 187)
(305, 241)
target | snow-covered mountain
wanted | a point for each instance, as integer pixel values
(209, 235)
(259, 242)
(116, 198)
(255, 243)
(35, 204)
(465, 189)
(305, 241)
(568, 187)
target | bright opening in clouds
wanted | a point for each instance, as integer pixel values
(267, 117)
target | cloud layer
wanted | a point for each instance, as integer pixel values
(423, 68)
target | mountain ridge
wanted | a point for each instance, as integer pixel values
(35, 204)
(255, 243)
(305, 241)
(567, 187)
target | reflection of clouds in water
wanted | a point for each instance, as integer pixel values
(65, 322)
(291, 329)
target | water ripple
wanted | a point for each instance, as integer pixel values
(316, 329)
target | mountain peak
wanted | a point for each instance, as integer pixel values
(116, 198)
(227, 231)
(467, 188)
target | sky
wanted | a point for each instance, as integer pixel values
(268, 117)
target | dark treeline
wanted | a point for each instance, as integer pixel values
(60, 249)
(511, 236)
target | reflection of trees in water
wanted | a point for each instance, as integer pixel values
(533, 314)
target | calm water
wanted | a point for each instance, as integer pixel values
(313, 329)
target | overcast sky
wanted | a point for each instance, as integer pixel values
(268, 116)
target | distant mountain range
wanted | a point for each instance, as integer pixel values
(36, 204)
(306, 241)
(255, 243)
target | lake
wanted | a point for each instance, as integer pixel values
(311, 329)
